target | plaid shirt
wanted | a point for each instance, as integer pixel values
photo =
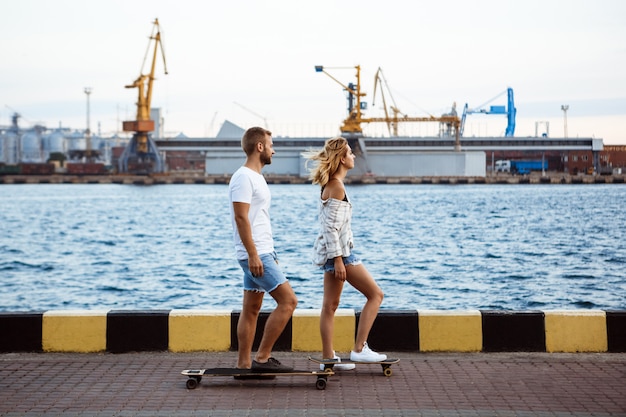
(335, 238)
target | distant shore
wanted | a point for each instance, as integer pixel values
(186, 178)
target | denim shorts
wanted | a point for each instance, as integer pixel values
(272, 274)
(351, 259)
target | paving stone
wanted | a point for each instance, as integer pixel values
(501, 384)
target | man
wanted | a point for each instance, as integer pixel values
(250, 202)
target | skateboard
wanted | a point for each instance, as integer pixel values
(195, 375)
(328, 364)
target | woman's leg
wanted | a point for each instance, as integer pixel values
(332, 295)
(360, 278)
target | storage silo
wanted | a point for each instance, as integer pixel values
(54, 142)
(96, 143)
(10, 148)
(76, 142)
(30, 147)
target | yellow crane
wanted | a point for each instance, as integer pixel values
(141, 149)
(352, 124)
(379, 80)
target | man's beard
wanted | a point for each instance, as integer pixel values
(266, 159)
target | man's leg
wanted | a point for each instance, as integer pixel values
(277, 320)
(246, 327)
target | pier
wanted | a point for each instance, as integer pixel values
(452, 364)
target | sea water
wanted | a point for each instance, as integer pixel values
(440, 247)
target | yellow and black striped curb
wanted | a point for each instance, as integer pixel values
(119, 331)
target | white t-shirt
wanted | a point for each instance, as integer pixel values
(248, 186)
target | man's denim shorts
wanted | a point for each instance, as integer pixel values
(351, 259)
(272, 274)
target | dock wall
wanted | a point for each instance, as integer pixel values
(118, 331)
(165, 179)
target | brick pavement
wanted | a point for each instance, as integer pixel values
(446, 385)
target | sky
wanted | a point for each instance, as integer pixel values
(252, 63)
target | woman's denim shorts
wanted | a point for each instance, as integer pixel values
(351, 259)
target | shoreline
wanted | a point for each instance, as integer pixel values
(199, 178)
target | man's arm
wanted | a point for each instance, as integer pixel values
(245, 233)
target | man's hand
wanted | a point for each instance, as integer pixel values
(256, 266)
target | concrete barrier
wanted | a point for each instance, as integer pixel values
(457, 331)
(576, 331)
(119, 331)
(74, 331)
(199, 330)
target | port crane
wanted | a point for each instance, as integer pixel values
(141, 154)
(379, 80)
(351, 126)
(509, 110)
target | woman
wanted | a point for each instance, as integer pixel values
(333, 251)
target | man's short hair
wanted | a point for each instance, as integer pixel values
(253, 136)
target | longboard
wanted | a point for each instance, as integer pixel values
(195, 375)
(328, 364)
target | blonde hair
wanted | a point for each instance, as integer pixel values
(326, 162)
(253, 136)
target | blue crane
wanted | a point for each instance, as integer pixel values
(509, 110)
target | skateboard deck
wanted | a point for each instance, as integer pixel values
(328, 364)
(195, 375)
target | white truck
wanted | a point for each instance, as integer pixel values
(520, 167)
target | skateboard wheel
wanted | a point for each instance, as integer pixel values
(192, 383)
(328, 370)
(388, 372)
(320, 383)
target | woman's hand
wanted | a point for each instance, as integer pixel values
(340, 269)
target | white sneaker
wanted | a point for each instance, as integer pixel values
(367, 355)
(339, 366)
